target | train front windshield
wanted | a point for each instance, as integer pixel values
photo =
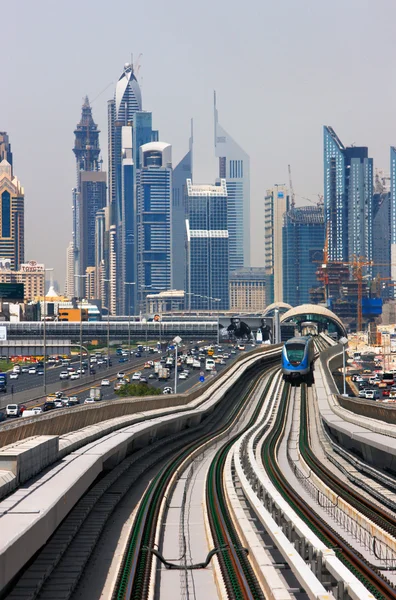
(295, 353)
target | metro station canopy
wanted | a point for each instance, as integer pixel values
(282, 306)
(315, 313)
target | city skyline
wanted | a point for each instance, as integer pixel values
(271, 130)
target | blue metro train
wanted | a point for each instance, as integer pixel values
(298, 356)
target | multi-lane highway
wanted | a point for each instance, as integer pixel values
(28, 388)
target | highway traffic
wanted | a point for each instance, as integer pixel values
(28, 390)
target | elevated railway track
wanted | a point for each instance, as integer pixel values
(242, 446)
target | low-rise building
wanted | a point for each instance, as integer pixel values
(30, 274)
(247, 290)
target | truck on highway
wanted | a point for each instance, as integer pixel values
(3, 382)
(196, 364)
(163, 373)
(96, 394)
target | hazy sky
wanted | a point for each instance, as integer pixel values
(282, 69)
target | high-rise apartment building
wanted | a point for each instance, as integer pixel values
(207, 246)
(276, 203)
(154, 218)
(382, 235)
(393, 210)
(70, 272)
(303, 241)
(89, 196)
(234, 167)
(12, 232)
(247, 290)
(348, 194)
(181, 173)
(121, 110)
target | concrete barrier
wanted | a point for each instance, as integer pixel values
(30, 456)
(63, 421)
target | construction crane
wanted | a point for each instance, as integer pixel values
(293, 198)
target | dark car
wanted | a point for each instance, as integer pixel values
(92, 371)
(3, 417)
(143, 380)
(122, 360)
(49, 406)
(138, 354)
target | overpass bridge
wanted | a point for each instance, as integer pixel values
(187, 328)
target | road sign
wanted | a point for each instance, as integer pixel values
(177, 339)
(202, 374)
(201, 378)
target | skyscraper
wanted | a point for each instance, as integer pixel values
(89, 196)
(207, 243)
(348, 193)
(154, 218)
(12, 232)
(303, 241)
(234, 167)
(181, 173)
(5, 148)
(70, 279)
(393, 210)
(276, 203)
(127, 101)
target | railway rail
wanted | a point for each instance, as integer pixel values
(370, 576)
(134, 577)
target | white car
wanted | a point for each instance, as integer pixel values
(136, 376)
(14, 375)
(167, 390)
(74, 375)
(12, 410)
(183, 376)
(58, 404)
(89, 401)
(32, 370)
(120, 375)
(105, 382)
(16, 369)
(63, 375)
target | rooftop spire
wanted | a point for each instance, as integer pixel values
(86, 145)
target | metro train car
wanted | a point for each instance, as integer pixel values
(298, 356)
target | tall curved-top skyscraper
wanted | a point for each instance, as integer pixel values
(126, 103)
(234, 166)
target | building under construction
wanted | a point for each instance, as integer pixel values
(339, 291)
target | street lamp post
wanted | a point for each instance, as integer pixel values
(344, 342)
(81, 335)
(45, 337)
(177, 341)
(218, 300)
(129, 283)
(108, 321)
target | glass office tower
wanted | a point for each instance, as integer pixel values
(154, 217)
(208, 246)
(348, 196)
(303, 241)
(234, 167)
